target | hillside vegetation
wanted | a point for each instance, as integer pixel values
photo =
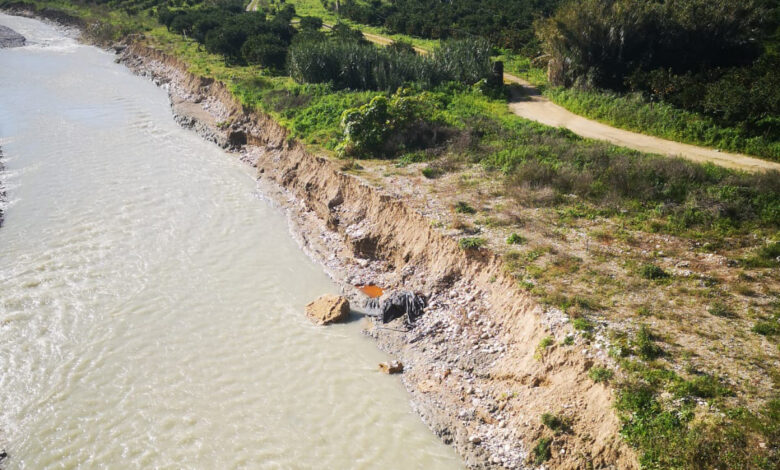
(711, 62)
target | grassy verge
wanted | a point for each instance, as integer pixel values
(634, 113)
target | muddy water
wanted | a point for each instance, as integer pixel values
(151, 301)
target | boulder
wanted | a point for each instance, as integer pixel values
(10, 38)
(328, 309)
(392, 367)
(397, 304)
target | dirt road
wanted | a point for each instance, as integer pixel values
(532, 105)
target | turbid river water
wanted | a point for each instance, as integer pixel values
(151, 302)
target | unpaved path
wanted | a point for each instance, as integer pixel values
(532, 105)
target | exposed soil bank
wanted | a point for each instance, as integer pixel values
(471, 363)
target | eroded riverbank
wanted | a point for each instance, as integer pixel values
(152, 304)
(469, 363)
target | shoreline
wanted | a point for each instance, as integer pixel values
(469, 361)
(3, 195)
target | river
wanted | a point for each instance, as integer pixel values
(151, 301)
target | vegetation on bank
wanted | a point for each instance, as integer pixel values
(465, 124)
(706, 69)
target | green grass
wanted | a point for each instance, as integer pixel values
(600, 374)
(464, 208)
(634, 113)
(672, 435)
(471, 243)
(555, 423)
(542, 451)
(515, 239)
(652, 272)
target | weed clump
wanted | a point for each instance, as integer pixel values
(542, 451)
(515, 239)
(653, 272)
(766, 328)
(719, 309)
(464, 208)
(556, 423)
(645, 344)
(582, 324)
(471, 243)
(600, 374)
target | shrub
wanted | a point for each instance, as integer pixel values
(515, 239)
(766, 328)
(471, 243)
(402, 47)
(645, 344)
(384, 127)
(431, 172)
(719, 309)
(311, 23)
(767, 256)
(652, 272)
(582, 324)
(600, 374)
(556, 423)
(542, 451)
(355, 65)
(464, 208)
(265, 50)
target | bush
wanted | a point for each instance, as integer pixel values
(766, 328)
(355, 65)
(515, 239)
(582, 324)
(464, 208)
(311, 23)
(471, 243)
(600, 374)
(542, 451)
(555, 423)
(768, 256)
(719, 309)
(652, 272)
(645, 344)
(384, 127)
(431, 172)
(265, 50)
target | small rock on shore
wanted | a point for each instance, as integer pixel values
(328, 309)
(10, 38)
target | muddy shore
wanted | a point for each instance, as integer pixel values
(470, 363)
